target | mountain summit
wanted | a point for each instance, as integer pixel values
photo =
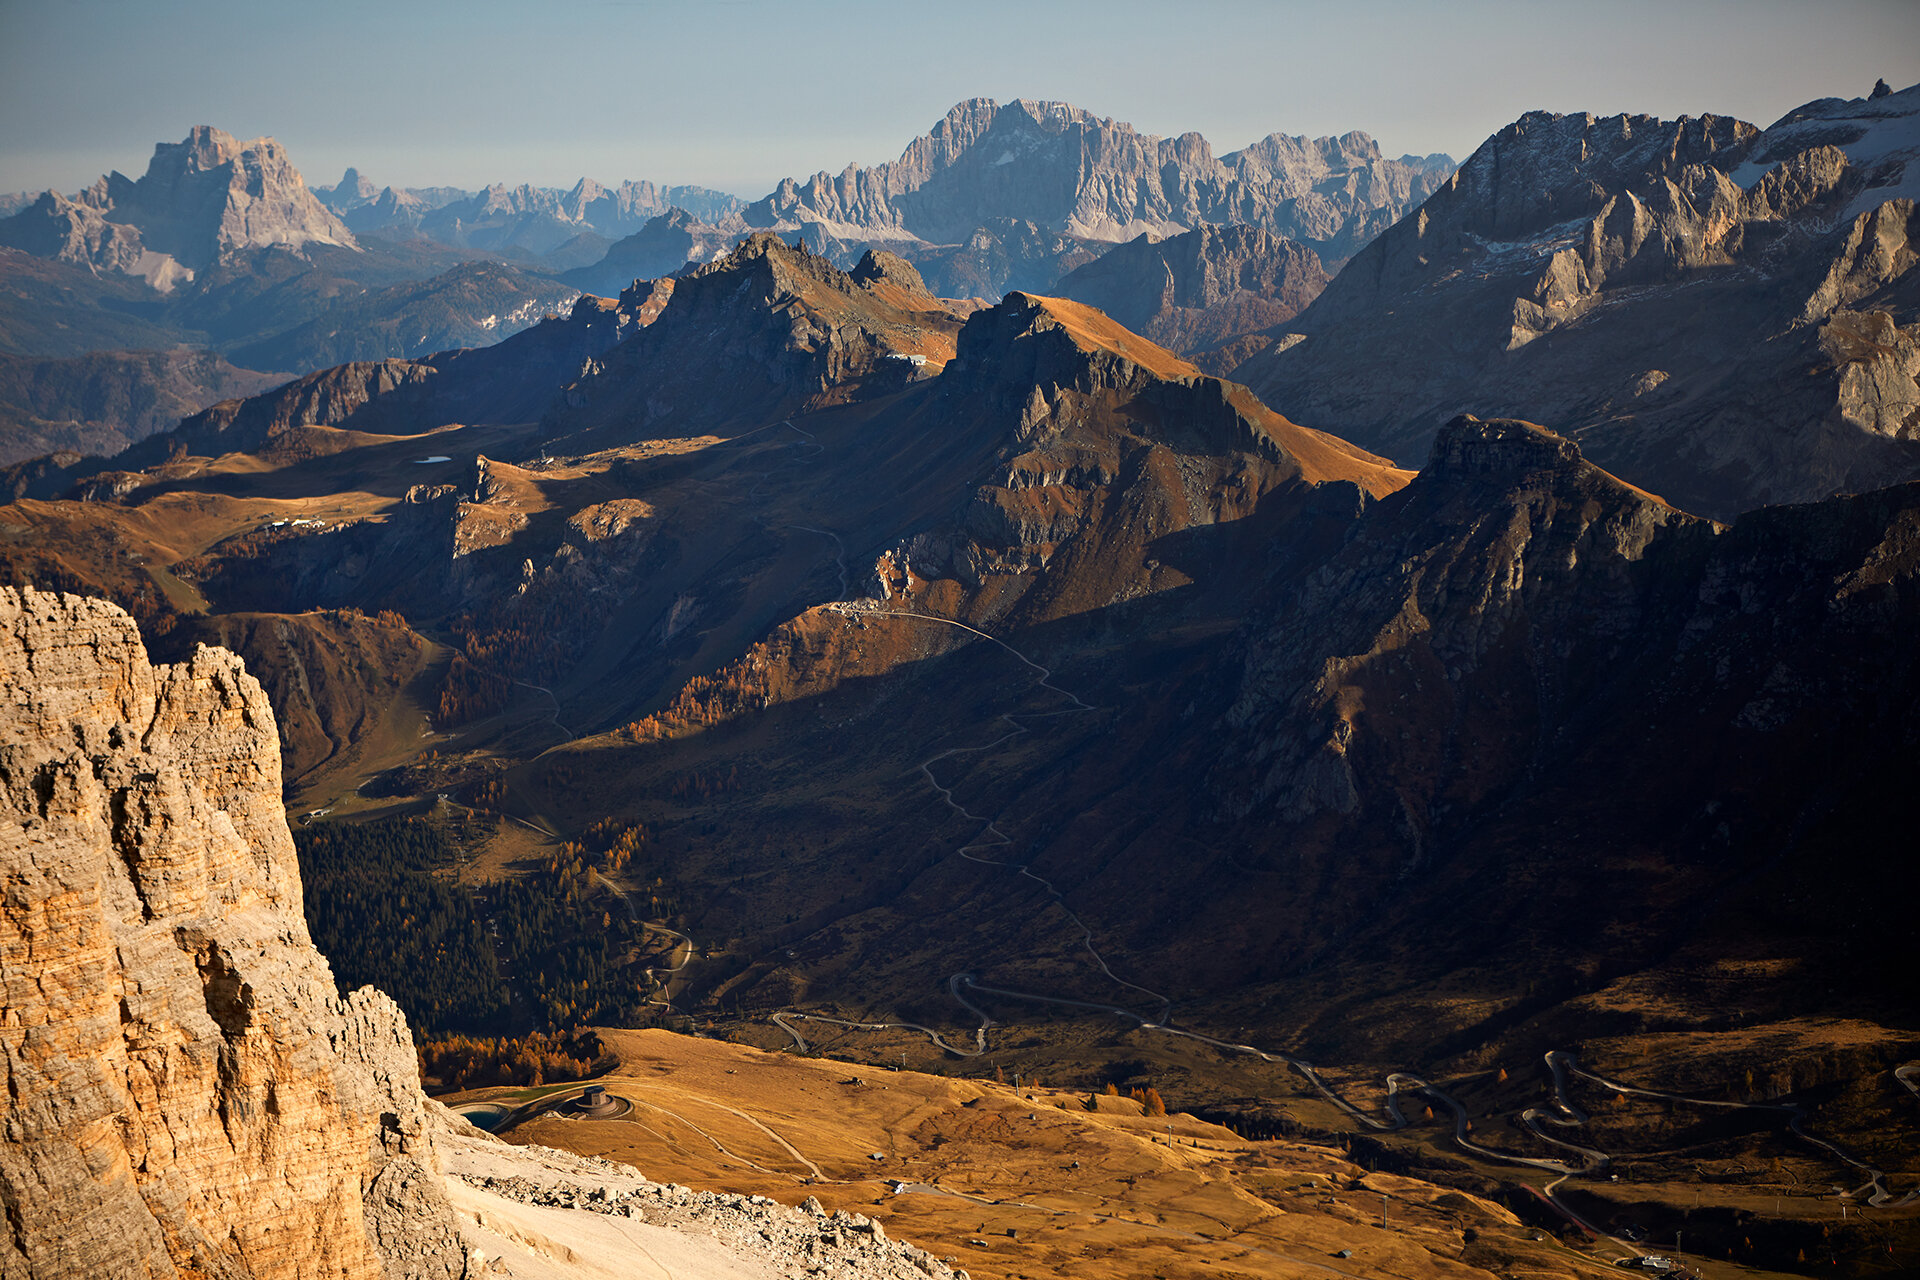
(1071, 172)
(200, 199)
(1721, 313)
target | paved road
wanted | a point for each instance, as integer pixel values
(1878, 1195)
(781, 1019)
(1562, 1114)
(990, 835)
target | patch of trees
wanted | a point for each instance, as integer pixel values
(458, 1062)
(378, 913)
(701, 786)
(702, 702)
(571, 958)
(614, 843)
(469, 693)
(533, 634)
(488, 794)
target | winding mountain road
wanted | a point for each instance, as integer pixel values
(1875, 1185)
(1561, 1114)
(990, 835)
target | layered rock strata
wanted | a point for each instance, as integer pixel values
(187, 1095)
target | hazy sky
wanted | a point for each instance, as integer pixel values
(737, 94)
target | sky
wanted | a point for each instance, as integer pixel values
(737, 94)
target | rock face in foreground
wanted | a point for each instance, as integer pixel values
(186, 1094)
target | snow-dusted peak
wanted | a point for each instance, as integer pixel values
(1880, 136)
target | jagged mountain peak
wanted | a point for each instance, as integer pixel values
(205, 147)
(1071, 172)
(200, 200)
(1878, 135)
(1547, 166)
(352, 191)
(1608, 275)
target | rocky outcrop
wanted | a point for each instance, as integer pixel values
(763, 332)
(1209, 288)
(199, 200)
(187, 1094)
(1688, 299)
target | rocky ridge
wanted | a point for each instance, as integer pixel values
(514, 380)
(1074, 173)
(795, 331)
(1722, 314)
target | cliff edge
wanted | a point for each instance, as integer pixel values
(186, 1095)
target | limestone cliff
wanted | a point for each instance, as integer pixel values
(1069, 171)
(186, 1094)
(1214, 287)
(200, 200)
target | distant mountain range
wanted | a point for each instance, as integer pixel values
(1005, 196)
(1071, 172)
(199, 200)
(537, 220)
(240, 256)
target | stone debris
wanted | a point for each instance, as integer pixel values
(808, 1241)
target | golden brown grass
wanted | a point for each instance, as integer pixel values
(1032, 1184)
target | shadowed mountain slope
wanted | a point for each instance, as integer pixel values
(1212, 291)
(1056, 697)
